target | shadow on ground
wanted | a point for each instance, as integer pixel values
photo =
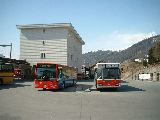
(75, 88)
(23, 80)
(14, 85)
(7, 116)
(123, 88)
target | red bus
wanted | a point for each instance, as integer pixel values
(54, 76)
(107, 75)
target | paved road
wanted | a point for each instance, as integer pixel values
(135, 100)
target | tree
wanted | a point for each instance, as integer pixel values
(157, 52)
(151, 58)
(145, 63)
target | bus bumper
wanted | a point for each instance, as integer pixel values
(108, 83)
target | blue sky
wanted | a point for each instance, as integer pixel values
(102, 24)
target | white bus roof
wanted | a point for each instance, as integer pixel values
(107, 63)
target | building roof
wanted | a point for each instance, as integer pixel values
(54, 25)
(8, 60)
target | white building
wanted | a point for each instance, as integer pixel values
(59, 43)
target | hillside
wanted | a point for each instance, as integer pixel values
(138, 50)
(131, 70)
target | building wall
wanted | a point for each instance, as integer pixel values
(2, 56)
(74, 51)
(54, 45)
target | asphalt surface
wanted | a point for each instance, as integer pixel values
(135, 100)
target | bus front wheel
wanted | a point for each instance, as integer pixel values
(96, 85)
(44, 89)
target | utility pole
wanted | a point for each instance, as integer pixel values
(10, 49)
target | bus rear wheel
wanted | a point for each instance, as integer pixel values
(74, 82)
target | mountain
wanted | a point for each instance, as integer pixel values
(138, 50)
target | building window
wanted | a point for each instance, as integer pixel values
(43, 55)
(71, 57)
(43, 43)
(44, 30)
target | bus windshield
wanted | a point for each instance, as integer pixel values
(6, 68)
(109, 73)
(45, 73)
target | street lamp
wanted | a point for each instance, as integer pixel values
(10, 49)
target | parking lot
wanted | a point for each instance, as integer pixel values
(135, 100)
